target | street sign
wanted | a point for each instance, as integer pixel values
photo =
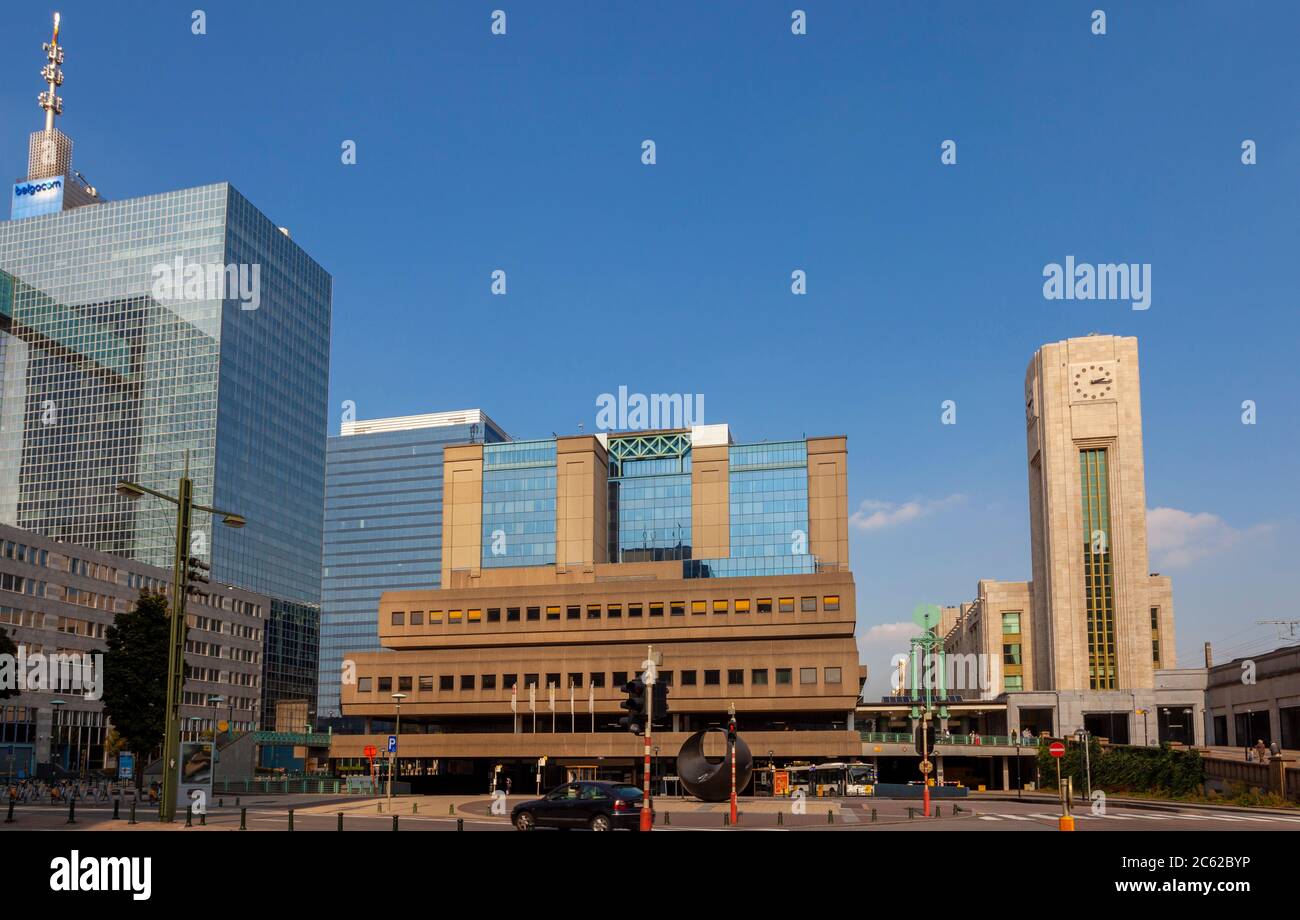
(125, 765)
(370, 751)
(1057, 749)
(926, 767)
(392, 744)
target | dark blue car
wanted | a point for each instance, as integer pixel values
(599, 806)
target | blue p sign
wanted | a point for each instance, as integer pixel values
(392, 744)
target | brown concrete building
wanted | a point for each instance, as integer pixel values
(565, 560)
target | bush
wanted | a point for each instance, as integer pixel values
(1128, 769)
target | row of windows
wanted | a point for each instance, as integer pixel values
(21, 552)
(744, 605)
(735, 677)
(20, 585)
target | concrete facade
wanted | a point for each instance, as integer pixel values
(1255, 699)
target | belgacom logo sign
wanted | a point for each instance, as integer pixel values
(103, 873)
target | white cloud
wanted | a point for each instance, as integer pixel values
(877, 647)
(1176, 539)
(877, 515)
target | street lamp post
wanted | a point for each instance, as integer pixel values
(185, 506)
(392, 757)
(216, 700)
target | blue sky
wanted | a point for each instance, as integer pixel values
(775, 152)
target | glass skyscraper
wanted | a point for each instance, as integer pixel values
(383, 524)
(111, 371)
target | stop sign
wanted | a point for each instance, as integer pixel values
(1057, 749)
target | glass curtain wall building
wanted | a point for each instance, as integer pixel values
(519, 504)
(383, 525)
(112, 371)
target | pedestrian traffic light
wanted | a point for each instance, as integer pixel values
(731, 730)
(660, 711)
(634, 719)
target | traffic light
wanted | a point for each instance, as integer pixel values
(634, 720)
(196, 573)
(660, 712)
(731, 730)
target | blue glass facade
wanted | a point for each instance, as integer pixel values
(106, 377)
(649, 499)
(769, 499)
(383, 532)
(519, 504)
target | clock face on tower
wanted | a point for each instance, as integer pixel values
(1090, 382)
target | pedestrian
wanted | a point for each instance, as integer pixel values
(1261, 751)
(509, 783)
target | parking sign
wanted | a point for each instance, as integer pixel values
(392, 744)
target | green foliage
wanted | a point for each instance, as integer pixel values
(1129, 769)
(135, 673)
(7, 647)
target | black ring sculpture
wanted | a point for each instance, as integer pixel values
(710, 780)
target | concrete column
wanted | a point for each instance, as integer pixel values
(852, 713)
(1006, 773)
(938, 768)
(44, 729)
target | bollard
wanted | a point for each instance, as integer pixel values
(290, 819)
(117, 804)
(415, 808)
(460, 824)
(189, 815)
(394, 822)
(243, 819)
(668, 818)
(780, 819)
(221, 803)
(72, 811)
(340, 820)
(726, 819)
(451, 809)
(10, 818)
(830, 817)
(203, 818)
(236, 801)
(380, 806)
(910, 811)
(132, 821)
(873, 816)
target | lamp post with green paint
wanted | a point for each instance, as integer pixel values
(185, 506)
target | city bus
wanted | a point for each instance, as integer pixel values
(840, 779)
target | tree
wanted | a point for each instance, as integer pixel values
(135, 673)
(7, 647)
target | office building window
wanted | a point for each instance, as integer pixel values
(1098, 582)
(417, 617)
(446, 682)
(807, 675)
(593, 611)
(1015, 682)
(1011, 623)
(530, 680)
(678, 608)
(552, 613)
(656, 610)
(720, 606)
(435, 616)
(534, 614)
(735, 676)
(758, 677)
(699, 607)
(633, 610)
(385, 685)
(426, 684)
(403, 685)
(455, 616)
(512, 614)
(509, 681)
(574, 612)
(597, 678)
(618, 678)
(742, 605)
(782, 676)
(764, 605)
(575, 679)
(553, 679)
(688, 678)
(467, 682)
(1011, 653)
(614, 611)
(712, 678)
(399, 618)
(787, 605)
(489, 682)
(666, 678)
(808, 604)
(494, 614)
(475, 616)
(833, 675)
(363, 685)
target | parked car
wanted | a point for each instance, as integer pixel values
(600, 806)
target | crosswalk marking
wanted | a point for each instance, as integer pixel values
(1015, 817)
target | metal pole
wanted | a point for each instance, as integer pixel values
(176, 647)
(647, 822)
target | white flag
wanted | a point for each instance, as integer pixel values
(514, 698)
(570, 699)
(591, 698)
(550, 692)
(532, 697)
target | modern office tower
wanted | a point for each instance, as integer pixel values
(58, 599)
(290, 659)
(564, 559)
(146, 337)
(383, 525)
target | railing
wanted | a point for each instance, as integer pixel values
(956, 740)
(281, 785)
